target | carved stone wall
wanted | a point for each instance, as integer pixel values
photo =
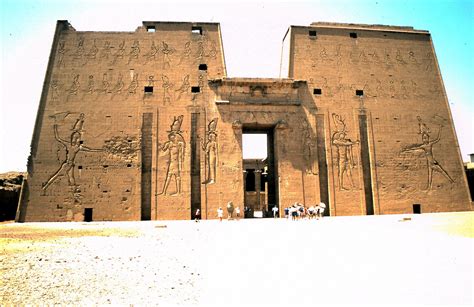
(87, 148)
(146, 125)
(388, 77)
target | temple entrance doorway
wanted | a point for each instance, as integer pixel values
(260, 186)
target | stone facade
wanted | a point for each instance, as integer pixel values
(145, 125)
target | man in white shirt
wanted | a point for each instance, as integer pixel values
(275, 211)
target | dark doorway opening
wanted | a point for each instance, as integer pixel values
(87, 214)
(260, 173)
(416, 208)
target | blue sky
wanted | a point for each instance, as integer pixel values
(252, 32)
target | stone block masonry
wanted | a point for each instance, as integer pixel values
(146, 125)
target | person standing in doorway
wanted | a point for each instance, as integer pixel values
(275, 211)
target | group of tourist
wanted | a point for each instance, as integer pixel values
(298, 211)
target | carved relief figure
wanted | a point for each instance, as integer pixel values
(175, 146)
(74, 86)
(411, 57)
(363, 57)
(151, 80)
(93, 51)
(414, 88)
(391, 88)
(212, 50)
(200, 51)
(211, 151)
(374, 57)
(54, 90)
(119, 85)
(106, 50)
(72, 147)
(61, 53)
(151, 55)
(90, 85)
(403, 89)
(323, 55)
(133, 55)
(338, 55)
(184, 88)
(186, 52)
(429, 62)
(345, 156)
(120, 52)
(167, 85)
(80, 48)
(309, 149)
(132, 88)
(426, 147)
(167, 51)
(327, 89)
(105, 83)
(399, 58)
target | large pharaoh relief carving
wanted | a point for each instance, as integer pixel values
(344, 153)
(119, 148)
(175, 148)
(211, 152)
(71, 146)
(425, 148)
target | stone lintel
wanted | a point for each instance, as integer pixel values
(274, 91)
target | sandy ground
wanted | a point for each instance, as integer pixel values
(376, 260)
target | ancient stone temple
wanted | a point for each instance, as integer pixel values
(146, 125)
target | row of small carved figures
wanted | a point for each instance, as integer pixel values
(106, 86)
(373, 87)
(356, 56)
(203, 48)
